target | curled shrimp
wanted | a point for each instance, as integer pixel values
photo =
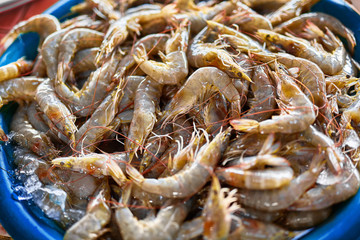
(15, 69)
(277, 199)
(174, 68)
(55, 110)
(201, 80)
(84, 60)
(323, 21)
(147, 99)
(202, 54)
(98, 215)
(164, 226)
(98, 165)
(297, 115)
(88, 98)
(296, 220)
(217, 212)
(44, 24)
(188, 181)
(289, 10)
(71, 42)
(330, 63)
(119, 30)
(28, 137)
(322, 196)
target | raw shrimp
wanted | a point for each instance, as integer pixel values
(330, 63)
(334, 156)
(96, 126)
(290, 10)
(191, 229)
(188, 181)
(263, 104)
(277, 199)
(50, 52)
(202, 54)
(84, 60)
(55, 110)
(104, 8)
(98, 165)
(71, 42)
(85, 101)
(131, 85)
(201, 81)
(146, 106)
(297, 115)
(43, 24)
(15, 69)
(174, 68)
(296, 220)
(39, 68)
(98, 215)
(268, 178)
(243, 42)
(164, 226)
(217, 212)
(84, 21)
(119, 30)
(322, 196)
(28, 137)
(247, 19)
(321, 20)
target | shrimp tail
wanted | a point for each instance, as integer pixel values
(245, 125)
(134, 174)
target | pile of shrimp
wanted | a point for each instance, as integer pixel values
(186, 119)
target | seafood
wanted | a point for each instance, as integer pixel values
(157, 119)
(15, 69)
(194, 177)
(43, 24)
(298, 115)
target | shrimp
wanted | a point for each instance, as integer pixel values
(290, 10)
(297, 115)
(296, 220)
(98, 165)
(39, 67)
(243, 42)
(96, 126)
(43, 24)
(247, 19)
(15, 69)
(174, 68)
(324, 196)
(269, 178)
(84, 60)
(84, 21)
(217, 212)
(119, 30)
(321, 20)
(147, 99)
(131, 85)
(334, 156)
(329, 63)
(164, 226)
(18, 89)
(71, 42)
(188, 181)
(263, 105)
(55, 110)
(98, 215)
(201, 80)
(85, 101)
(277, 199)
(191, 229)
(50, 52)
(28, 137)
(104, 8)
(202, 54)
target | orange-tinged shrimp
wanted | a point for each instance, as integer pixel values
(15, 69)
(44, 24)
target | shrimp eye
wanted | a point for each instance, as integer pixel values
(347, 76)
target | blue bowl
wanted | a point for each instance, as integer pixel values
(22, 220)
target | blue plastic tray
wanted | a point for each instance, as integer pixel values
(19, 218)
